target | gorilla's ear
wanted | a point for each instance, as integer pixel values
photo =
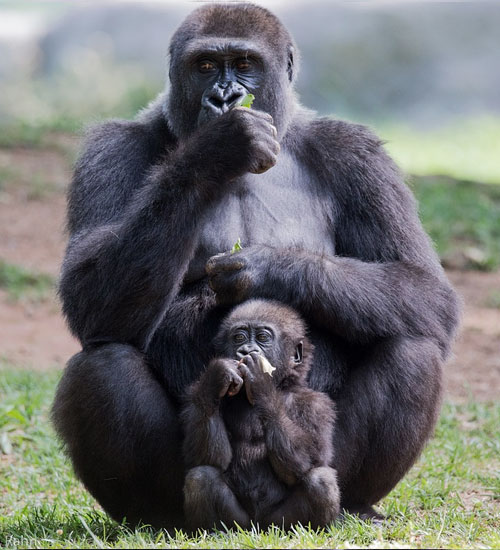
(297, 358)
(289, 68)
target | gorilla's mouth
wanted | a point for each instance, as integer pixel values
(206, 115)
(222, 106)
(214, 103)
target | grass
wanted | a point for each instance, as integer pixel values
(94, 89)
(21, 283)
(7, 174)
(465, 150)
(463, 220)
(449, 500)
(493, 299)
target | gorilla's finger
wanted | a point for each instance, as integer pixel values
(248, 378)
(254, 364)
(265, 165)
(255, 113)
(244, 371)
(248, 390)
(235, 385)
(250, 361)
(223, 262)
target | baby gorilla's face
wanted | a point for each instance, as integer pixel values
(248, 337)
(266, 339)
(263, 329)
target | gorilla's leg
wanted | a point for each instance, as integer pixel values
(209, 501)
(121, 432)
(386, 412)
(316, 500)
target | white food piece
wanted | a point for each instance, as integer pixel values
(266, 365)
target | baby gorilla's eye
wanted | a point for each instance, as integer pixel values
(264, 337)
(239, 337)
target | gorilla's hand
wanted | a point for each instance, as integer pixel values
(239, 141)
(259, 386)
(221, 378)
(236, 277)
(262, 148)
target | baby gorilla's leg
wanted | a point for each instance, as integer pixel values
(316, 499)
(209, 502)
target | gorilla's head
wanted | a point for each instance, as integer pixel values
(273, 330)
(222, 52)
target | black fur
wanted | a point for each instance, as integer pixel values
(327, 227)
(259, 447)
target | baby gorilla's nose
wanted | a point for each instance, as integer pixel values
(246, 349)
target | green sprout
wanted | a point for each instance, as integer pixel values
(247, 101)
(237, 246)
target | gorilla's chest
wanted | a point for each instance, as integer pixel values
(282, 207)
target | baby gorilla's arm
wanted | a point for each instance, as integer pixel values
(298, 424)
(206, 441)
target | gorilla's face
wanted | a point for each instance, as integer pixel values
(222, 53)
(246, 338)
(217, 73)
(222, 77)
(265, 337)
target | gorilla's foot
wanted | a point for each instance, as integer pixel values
(365, 512)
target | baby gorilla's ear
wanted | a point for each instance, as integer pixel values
(297, 358)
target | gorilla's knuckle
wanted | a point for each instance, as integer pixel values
(255, 357)
(199, 477)
(210, 267)
(213, 263)
(214, 282)
(236, 265)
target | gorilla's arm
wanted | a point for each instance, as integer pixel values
(298, 427)
(206, 442)
(385, 279)
(135, 208)
(298, 422)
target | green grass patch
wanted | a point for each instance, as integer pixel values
(463, 220)
(7, 174)
(450, 499)
(23, 284)
(31, 109)
(493, 299)
(19, 133)
(466, 149)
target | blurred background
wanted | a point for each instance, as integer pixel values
(424, 75)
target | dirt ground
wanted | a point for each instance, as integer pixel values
(33, 334)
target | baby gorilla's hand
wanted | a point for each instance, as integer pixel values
(221, 378)
(258, 384)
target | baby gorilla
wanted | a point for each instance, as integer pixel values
(258, 445)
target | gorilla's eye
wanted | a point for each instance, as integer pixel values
(264, 337)
(243, 65)
(239, 337)
(206, 66)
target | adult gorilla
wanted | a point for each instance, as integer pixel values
(327, 227)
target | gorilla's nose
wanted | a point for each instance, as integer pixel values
(245, 350)
(223, 97)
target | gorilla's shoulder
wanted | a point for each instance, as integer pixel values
(116, 156)
(342, 137)
(349, 153)
(127, 141)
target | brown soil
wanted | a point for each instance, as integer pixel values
(33, 334)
